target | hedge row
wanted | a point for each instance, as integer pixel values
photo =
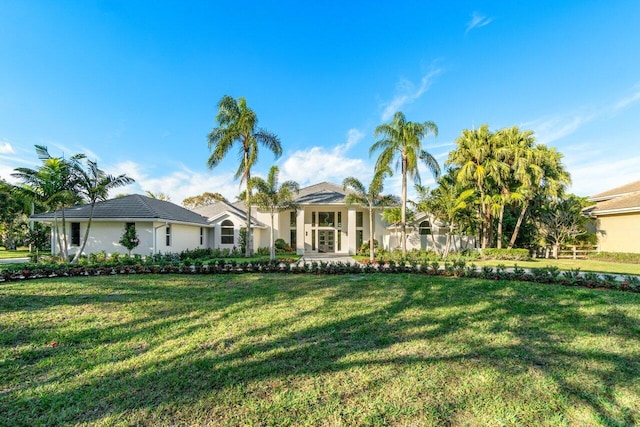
(551, 275)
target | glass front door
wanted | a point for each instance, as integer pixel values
(326, 241)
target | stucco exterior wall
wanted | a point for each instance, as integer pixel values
(619, 233)
(105, 235)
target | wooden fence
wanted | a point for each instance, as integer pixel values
(576, 252)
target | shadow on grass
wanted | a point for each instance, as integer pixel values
(326, 322)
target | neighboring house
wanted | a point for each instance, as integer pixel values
(617, 215)
(321, 224)
(161, 226)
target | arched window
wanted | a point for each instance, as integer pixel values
(425, 228)
(226, 232)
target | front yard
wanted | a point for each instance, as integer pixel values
(269, 349)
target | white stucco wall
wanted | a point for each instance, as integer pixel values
(105, 235)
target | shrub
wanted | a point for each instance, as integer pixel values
(506, 254)
(280, 244)
(628, 258)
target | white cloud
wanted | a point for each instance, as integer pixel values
(551, 129)
(407, 92)
(596, 175)
(178, 185)
(477, 21)
(318, 164)
(353, 137)
(6, 148)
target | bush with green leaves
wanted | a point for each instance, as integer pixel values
(506, 254)
(129, 239)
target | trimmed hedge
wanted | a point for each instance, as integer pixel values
(506, 254)
(624, 257)
(550, 275)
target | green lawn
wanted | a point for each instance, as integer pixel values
(307, 350)
(20, 253)
(570, 264)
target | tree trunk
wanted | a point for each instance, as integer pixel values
(65, 246)
(247, 201)
(516, 230)
(371, 236)
(86, 235)
(500, 217)
(272, 249)
(403, 225)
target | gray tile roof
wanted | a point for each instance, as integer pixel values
(220, 207)
(322, 193)
(633, 187)
(134, 206)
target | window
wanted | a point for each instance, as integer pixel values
(201, 236)
(359, 219)
(359, 239)
(326, 219)
(226, 232)
(313, 219)
(339, 219)
(339, 239)
(293, 238)
(313, 240)
(425, 228)
(75, 234)
(168, 235)
(293, 218)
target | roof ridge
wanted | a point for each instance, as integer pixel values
(147, 205)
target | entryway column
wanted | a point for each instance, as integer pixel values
(351, 231)
(300, 232)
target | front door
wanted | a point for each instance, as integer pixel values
(326, 241)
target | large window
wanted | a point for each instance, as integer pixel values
(425, 228)
(201, 236)
(326, 219)
(226, 232)
(359, 219)
(359, 239)
(293, 239)
(293, 219)
(167, 235)
(75, 234)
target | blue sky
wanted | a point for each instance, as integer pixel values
(134, 84)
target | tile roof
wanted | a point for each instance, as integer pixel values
(629, 203)
(220, 207)
(324, 192)
(632, 187)
(134, 206)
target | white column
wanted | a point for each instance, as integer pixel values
(351, 231)
(300, 232)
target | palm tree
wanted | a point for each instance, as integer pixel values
(546, 179)
(94, 185)
(272, 198)
(371, 198)
(402, 139)
(393, 216)
(478, 161)
(238, 123)
(54, 185)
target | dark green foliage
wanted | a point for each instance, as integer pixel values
(506, 254)
(627, 258)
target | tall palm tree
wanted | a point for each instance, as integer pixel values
(94, 185)
(274, 198)
(402, 141)
(372, 198)
(478, 161)
(54, 185)
(547, 180)
(237, 123)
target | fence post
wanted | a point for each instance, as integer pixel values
(574, 251)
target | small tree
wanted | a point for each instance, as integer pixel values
(38, 239)
(562, 220)
(130, 238)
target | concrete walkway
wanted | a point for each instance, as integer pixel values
(333, 258)
(13, 260)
